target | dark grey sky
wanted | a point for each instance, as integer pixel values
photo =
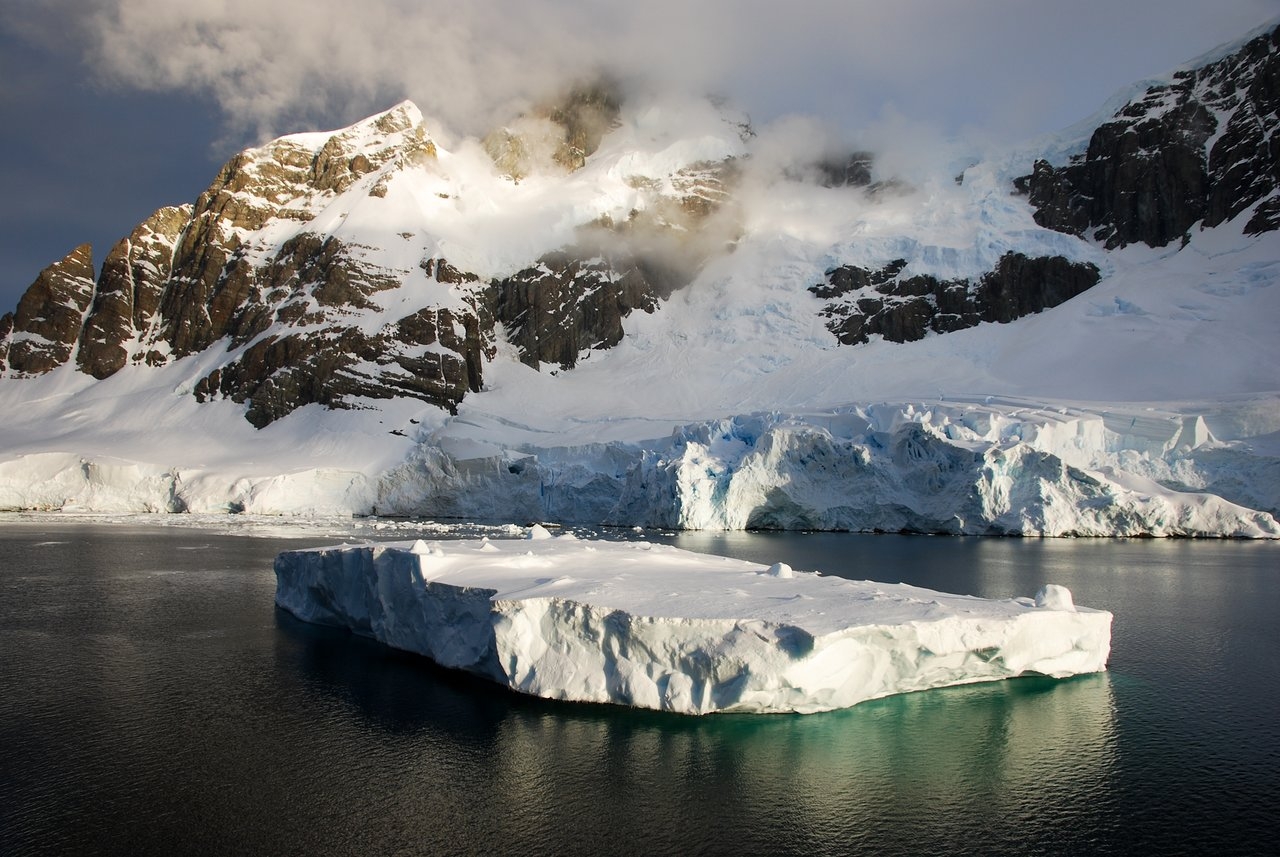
(112, 108)
(79, 163)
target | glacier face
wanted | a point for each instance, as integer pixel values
(978, 467)
(655, 627)
(961, 468)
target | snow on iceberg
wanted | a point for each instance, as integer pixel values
(655, 627)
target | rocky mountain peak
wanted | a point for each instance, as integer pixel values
(126, 300)
(1197, 148)
(293, 179)
(368, 263)
(397, 137)
(42, 334)
(288, 177)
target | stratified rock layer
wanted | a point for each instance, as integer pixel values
(566, 305)
(128, 294)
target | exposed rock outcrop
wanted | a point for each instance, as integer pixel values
(305, 351)
(6, 330)
(853, 171)
(433, 355)
(563, 134)
(862, 303)
(566, 304)
(311, 270)
(1201, 148)
(44, 330)
(305, 316)
(213, 274)
(128, 293)
(294, 317)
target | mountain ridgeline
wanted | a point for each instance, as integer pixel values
(338, 268)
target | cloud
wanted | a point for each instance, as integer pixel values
(272, 65)
(285, 64)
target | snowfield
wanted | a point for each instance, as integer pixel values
(656, 627)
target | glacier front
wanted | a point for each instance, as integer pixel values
(656, 627)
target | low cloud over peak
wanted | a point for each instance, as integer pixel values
(274, 67)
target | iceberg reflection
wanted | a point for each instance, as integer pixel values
(904, 773)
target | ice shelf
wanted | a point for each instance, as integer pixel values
(652, 626)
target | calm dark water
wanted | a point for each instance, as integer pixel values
(152, 701)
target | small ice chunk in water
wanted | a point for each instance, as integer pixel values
(537, 531)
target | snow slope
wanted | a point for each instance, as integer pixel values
(655, 627)
(1145, 405)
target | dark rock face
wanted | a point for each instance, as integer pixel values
(300, 325)
(862, 303)
(586, 115)
(433, 354)
(128, 293)
(854, 171)
(301, 317)
(280, 374)
(213, 278)
(300, 354)
(1202, 148)
(567, 304)
(46, 326)
(574, 300)
(6, 328)
(1021, 285)
(1266, 217)
(206, 285)
(309, 320)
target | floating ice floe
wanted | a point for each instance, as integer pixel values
(655, 627)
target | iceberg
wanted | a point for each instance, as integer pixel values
(652, 626)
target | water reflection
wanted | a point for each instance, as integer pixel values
(979, 758)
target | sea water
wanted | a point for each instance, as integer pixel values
(153, 701)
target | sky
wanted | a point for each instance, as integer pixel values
(113, 108)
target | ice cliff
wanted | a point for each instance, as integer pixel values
(655, 627)
(960, 468)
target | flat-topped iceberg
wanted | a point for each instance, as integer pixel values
(657, 627)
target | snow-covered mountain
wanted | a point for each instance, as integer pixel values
(634, 310)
